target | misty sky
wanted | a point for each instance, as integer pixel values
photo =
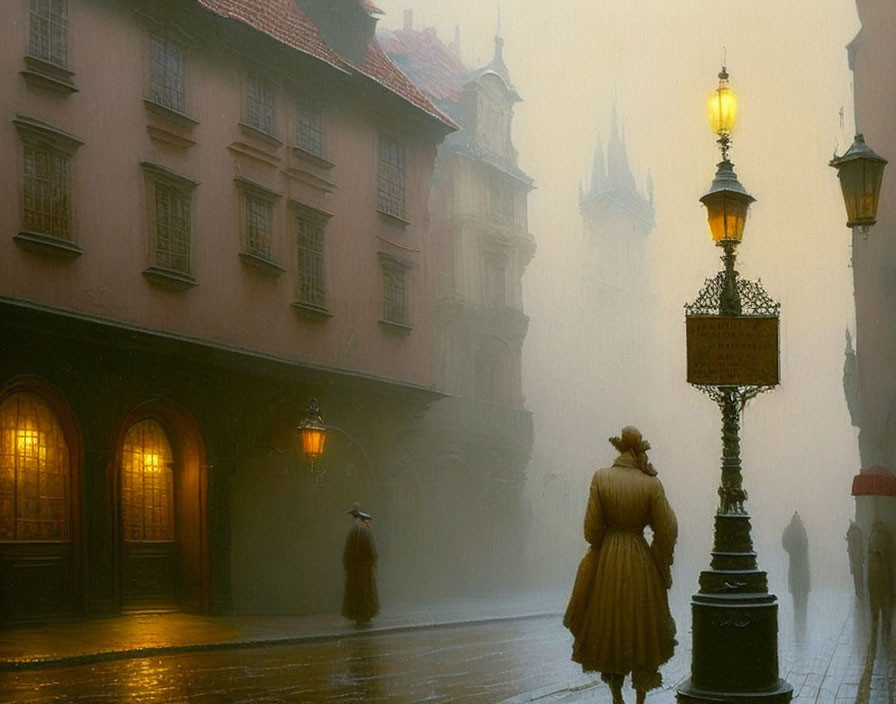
(658, 60)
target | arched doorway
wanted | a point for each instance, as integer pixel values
(149, 552)
(161, 478)
(38, 505)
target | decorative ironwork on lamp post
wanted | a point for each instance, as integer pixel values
(732, 355)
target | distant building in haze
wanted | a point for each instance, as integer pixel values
(618, 220)
(873, 406)
(471, 467)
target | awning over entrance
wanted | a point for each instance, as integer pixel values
(874, 481)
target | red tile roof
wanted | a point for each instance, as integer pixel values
(380, 68)
(284, 21)
(280, 19)
(427, 61)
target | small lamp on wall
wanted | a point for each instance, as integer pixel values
(860, 171)
(313, 432)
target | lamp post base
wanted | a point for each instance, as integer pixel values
(781, 694)
(735, 648)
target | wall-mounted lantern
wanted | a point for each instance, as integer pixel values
(860, 171)
(314, 437)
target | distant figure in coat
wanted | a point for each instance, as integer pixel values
(796, 543)
(880, 578)
(855, 548)
(360, 603)
(618, 612)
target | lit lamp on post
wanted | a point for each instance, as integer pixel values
(314, 436)
(860, 171)
(732, 355)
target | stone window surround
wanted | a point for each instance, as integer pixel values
(36, 132)
(165, 276)
(301, 212)
(259, 261)
(168, 84)
(393, 266)
(392, 179)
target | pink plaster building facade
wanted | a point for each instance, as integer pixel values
(214, 210)
(869, 380)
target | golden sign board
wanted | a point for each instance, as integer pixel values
(732, 350)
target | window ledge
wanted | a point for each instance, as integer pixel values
(176, 116)
(167, 278)
(312, 158)
(45, 74)
(392, 217)
(394, 328)
(269, 139)
(41, 243)
(261, 263)
(311, 311)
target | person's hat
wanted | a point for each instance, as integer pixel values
(358, 513)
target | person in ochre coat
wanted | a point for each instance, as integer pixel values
(618, 612)
(360, 602)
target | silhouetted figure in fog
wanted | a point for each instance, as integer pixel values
(360, 602)
(855, 548)
(880, 578)
(796, 543)
(618, 612)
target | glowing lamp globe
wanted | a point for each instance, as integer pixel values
(313, 432)
(727, 203)
(860, 171)
(722, 106)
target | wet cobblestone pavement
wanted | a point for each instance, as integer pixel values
(496, 657)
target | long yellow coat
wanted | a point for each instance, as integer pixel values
(618, 612)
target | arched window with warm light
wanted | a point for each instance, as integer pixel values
(147, 483)
(35, 471)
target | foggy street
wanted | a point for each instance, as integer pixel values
(477, 663)
(414, 351)
(512, 662)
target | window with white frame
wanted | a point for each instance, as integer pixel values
(309, 129)
(260, 104)
(170, 214)
(392, 191)
(48, 31)
(311, 288)
(166, 73)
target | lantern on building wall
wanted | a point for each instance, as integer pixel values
(860, 171)
(314, 437)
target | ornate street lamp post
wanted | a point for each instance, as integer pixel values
(732, 355)
(860, 171)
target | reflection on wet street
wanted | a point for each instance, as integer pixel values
(840, 659)
(877, 682)
(479, 663)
